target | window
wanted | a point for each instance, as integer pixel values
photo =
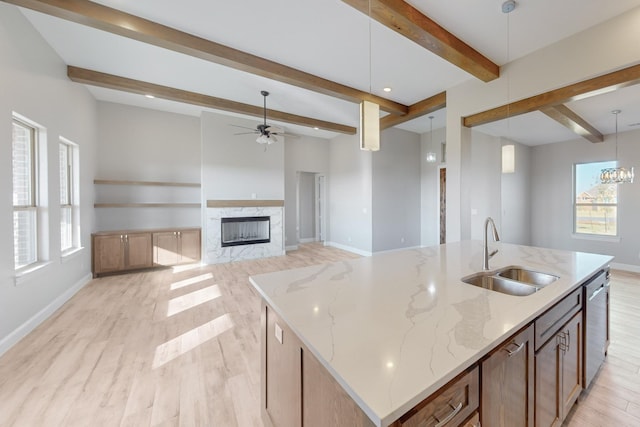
(69, 215)
(596, 205)
(25, 192)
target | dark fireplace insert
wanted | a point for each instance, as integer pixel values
(245, 230)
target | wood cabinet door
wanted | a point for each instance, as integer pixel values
(108, 253)
(508, 383)
(165, 248)
(189, 246)
(138, 252)
(282, 369)
(548, 382)
(474, 421)
(571, 350)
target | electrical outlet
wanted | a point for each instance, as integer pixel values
(349, 239)
(402, 240)
(254, 195)
(278, 333)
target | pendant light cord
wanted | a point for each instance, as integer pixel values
(370, 47)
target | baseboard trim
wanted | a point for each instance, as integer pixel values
(397, 250)
(291, 248)
(625, 267)
(348, 248)
(308, 240)
(23, 330)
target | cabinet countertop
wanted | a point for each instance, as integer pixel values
(395, 327)
(143, 230)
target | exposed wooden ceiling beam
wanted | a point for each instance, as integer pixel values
(117, 22)
(403, 18)
(581, 90)
(568, 118)
(418, 109)
(95, 78)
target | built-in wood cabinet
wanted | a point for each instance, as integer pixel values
(474, 421)
(449, 406)
(508, 383)
(559, 374)
(120, 251)
(176, 247)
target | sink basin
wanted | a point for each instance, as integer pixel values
(500, 284)
(530, 277)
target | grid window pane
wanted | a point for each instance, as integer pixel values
(66, 228)
(23, 172)
(24, 237)
(596, 204)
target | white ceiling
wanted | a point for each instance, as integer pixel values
(330, 39)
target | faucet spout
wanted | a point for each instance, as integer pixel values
(485, 250)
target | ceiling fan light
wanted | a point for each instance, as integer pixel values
(271, 139)
(262, 139)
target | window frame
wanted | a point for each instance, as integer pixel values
(576, 205)
(33, 205)
(72, 200)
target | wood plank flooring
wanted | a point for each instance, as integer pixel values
(180, 347)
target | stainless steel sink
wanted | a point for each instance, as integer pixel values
(512, 280)
(499, 284)
(524, 275)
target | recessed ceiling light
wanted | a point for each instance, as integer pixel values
(387, 89)
(316, 128)
(150, 96)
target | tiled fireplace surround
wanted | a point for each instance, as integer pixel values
(218, 209)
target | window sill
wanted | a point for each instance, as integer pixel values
(68, 255)
(596, 237)
(29, 271)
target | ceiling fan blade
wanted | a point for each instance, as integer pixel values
(286, 135)
(243, 127)
(246, 133)
(274, 129)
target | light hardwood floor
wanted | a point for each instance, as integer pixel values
(180, 347)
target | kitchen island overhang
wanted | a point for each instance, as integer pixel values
(393, 328)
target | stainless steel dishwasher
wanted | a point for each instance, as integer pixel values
(595, 321)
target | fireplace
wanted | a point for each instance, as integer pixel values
(245, 230)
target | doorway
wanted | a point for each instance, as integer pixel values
(443, 205)
(310, 207)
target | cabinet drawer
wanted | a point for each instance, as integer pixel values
(553, 319)
(449, 406)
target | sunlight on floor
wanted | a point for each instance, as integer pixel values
(186, 267)
(190, 300)
(191, 281)
(189, 340)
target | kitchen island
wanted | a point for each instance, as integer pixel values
(393, 328)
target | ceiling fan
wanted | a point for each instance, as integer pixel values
(266, 133)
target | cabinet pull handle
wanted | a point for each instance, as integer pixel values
(562, 342)
(448, 418)
(517, 350)
(596, 292)
(568, 340)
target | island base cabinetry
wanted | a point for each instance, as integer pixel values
(449, 406)
(296, 389)
(508, 383)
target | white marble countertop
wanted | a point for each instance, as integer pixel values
(393, 328)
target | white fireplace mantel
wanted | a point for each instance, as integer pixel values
(218, 209)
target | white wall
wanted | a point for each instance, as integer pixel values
(593, 52)
(140, 144)
(430, 188)
(236, 167)
(516, 198)
(552, 196)
(305, 154)
(484, 186)
(396, 191)
(350, 189)
(34, 84)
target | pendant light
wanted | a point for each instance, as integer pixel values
(617, 175)
(508, 150)
(369, 113)
(431, 155)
